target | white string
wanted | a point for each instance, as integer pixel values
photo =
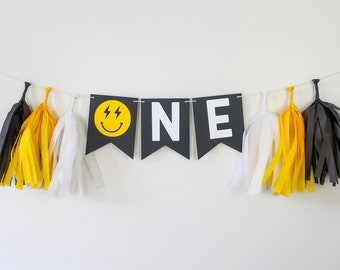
(330, 75)
(58, 90)
(295, 86)
(11, 77)
(37, 85)
(249, 95)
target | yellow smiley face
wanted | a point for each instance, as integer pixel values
(112, 118)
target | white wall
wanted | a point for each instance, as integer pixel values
(166, 212)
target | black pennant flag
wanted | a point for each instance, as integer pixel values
(218, 119)
(112, 119)
(165, 122)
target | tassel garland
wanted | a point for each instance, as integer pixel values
(286, 153)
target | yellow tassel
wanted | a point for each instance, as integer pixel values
(290, 156)
(31, 163)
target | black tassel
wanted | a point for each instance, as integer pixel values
(10, 130)
(322, 140)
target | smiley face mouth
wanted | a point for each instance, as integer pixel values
(111, 131)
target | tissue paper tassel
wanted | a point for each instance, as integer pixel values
(30, 161)
(10, 130)
(68, 147)
(290, 156)
(260, 139)
(322, 140)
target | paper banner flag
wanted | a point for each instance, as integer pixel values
(165, 122)
(218, 119)
(112, 119)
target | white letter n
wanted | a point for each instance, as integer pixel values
(159, 115)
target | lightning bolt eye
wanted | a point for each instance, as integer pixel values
(107, 111)
(117, 112)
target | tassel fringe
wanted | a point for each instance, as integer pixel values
(30, 161)
(10, 130)
(322, 140)
(260, 139)
(290, 156)
(68, 148)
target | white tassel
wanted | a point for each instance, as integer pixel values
(68, 148)
(260, 140)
